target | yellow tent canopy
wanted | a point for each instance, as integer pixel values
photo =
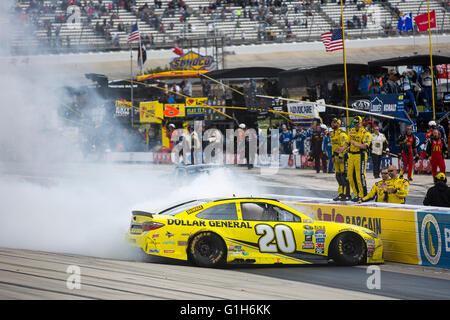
(172, 74)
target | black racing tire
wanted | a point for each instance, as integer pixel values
(348, 249)
(207, 249)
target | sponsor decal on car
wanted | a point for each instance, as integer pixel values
(195, 209)
(219, 224)
(308, 245)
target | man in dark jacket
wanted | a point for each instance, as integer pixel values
(439, 194)
(317, 149)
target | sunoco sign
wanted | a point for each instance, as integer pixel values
(191, 61)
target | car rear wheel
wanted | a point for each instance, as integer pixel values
(348, 249)
(207, 249)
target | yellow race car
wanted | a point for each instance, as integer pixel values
(213, 232)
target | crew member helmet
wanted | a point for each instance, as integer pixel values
(440, 177)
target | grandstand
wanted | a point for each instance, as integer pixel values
(48, 25)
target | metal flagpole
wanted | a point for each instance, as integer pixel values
(345, 63)
(140, 52)
(431, 58)
(131, 71)
(414, 38)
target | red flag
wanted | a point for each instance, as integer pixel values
(178, 51)
(422, 21)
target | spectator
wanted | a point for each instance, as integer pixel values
(433, 125)
(408, 149)
(426, 83)
(378, 148)
(300, 141)
(195, 146)
(187, 88)
(364, 85)
(439, 194)
(406, 87)
(317, 151)
(436, 152)
(285, 140)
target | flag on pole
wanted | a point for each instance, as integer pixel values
(333, 40)
(422, 21)
(405, 22)
(142, 56)
(134, 35)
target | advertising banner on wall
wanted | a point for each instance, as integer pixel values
(397, 228)
(151, 112)
(302, 108)
(433, 235)
(390, 104)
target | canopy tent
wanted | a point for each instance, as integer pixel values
(309, 76)
(172, 74)
(416, 60)
(245, 73)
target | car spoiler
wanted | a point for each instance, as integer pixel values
(142, 213)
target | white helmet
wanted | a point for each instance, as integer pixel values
(431, 123)
(323, 126)
(242, 126)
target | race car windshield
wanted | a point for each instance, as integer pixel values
(172, 211)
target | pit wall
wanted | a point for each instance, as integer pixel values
(410, 234)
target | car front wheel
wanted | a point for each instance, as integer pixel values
(348, 249)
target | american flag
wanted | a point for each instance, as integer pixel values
(134, 35)
(333, 40)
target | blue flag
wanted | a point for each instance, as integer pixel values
(405, 22)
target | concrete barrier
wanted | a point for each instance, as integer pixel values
(411, 234)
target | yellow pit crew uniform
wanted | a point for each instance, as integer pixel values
(338, 138)
(357, 159)
(401, 190)
(378, 192)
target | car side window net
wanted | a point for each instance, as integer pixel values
(259, 211)
(226, 211)
(286, 216)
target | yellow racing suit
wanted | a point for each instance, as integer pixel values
(401, 190)
(378, 192)
(357, 159)
(338, 138)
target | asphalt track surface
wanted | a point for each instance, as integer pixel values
(36, 274)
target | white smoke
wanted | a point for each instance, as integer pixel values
(54, 201)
